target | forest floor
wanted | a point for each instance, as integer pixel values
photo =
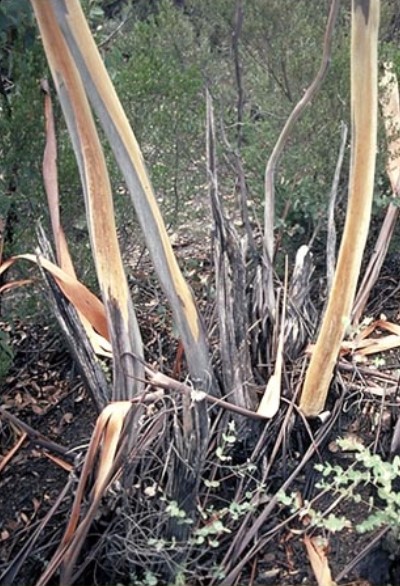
(43, 391)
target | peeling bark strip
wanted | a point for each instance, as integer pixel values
(364, 106)
(365, 7)
(105, 102)
(122, 325)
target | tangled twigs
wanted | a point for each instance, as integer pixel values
(158, 379)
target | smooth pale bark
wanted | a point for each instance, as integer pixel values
(364, 103)
(390, 105)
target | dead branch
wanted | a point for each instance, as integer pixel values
(331, 237)
(273, 161)
(76, 337)
(230, 276)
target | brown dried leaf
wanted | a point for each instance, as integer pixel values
(316, 550)
(24, 517)
(379, 345)
(83, 300)
(60, 462)
(36, 504)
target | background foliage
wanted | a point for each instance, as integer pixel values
(161, 55)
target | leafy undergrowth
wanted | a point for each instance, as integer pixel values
(128, 543)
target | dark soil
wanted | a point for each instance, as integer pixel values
(43, 390)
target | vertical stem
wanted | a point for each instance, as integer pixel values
(364, 106)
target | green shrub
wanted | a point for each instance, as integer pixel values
(381, 506)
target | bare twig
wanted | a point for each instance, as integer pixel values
(239, 16)
(241, 542)
(230, 278)
(9, 575)
(235, 151)
(9, 456)
(331, 238)
(35, 436)
(104, 44)
(363, 553)
(269, 209)
(375, 263)
(163, 381)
